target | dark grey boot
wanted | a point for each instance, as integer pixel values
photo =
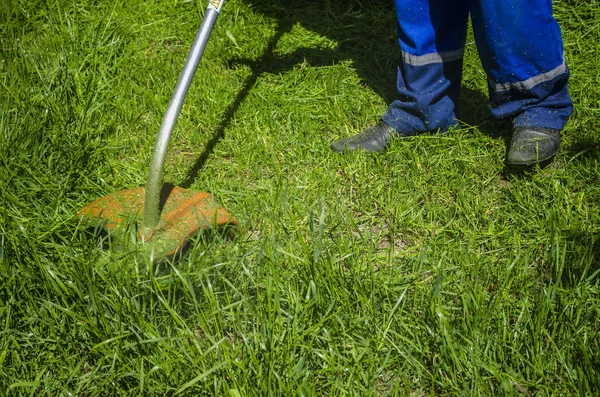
(532, 145)
(373, 139)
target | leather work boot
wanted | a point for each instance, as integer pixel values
(372, 139)
(532, 145)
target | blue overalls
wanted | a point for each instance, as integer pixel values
(520, 48)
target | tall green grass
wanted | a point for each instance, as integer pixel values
(429, 270)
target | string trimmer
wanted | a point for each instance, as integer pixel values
(169, 215)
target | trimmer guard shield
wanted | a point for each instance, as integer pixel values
(183, 213)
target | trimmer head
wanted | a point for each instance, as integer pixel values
(183, 214)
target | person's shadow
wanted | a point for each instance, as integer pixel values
(366, 33)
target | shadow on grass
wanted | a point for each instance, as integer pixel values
(584, 149)
(366, 35)
(586, 244)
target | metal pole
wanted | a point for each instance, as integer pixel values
(154, 184)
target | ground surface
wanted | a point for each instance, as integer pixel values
(429, 270)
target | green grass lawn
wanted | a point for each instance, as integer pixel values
(428, 270)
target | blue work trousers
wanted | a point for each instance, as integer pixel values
(520, 46)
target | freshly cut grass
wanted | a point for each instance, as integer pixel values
(428, 270)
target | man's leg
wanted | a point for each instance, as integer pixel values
(432, 35)
(521, 50)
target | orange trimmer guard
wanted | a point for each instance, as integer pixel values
(183, 214)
